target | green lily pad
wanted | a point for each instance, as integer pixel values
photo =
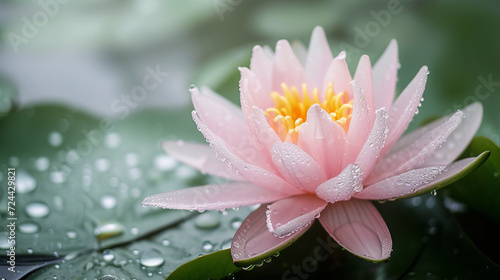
(481, 189)
(212, 266)
(80, 186)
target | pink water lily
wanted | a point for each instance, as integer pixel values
(311, 142)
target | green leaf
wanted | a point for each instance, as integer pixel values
(212, 266)
(481, 189)
(77, 204)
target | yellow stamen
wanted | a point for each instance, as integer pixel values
(290, 109)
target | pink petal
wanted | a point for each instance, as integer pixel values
(358, 227)
(422, 180)
(323, 139)
(459, 138)
(370, 152)
(253, 92)
(261, 65)
(254, 174)
(319, 58)
(201, 157)
(300, 51)
(342, 187)
(286, 68)
(405, 107)
(338, 74)
(363, 78)
(385, 76)
(400, 185)
(252, 241)
(213, 197)
(359, 128)
(412, 155)
(264, 135)
(297, 167)
(289, 215)
(221, 117)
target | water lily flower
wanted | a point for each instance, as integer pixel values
(311, 142)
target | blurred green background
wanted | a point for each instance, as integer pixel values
(86, 154)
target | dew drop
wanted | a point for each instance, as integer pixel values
(434, 192)
(131, 159)
(112, 140)
(71, 234)
(135, 173)
(248, 268)
(430, 202)
(57, 177)
(134, 231)
(207, 221)
(105, 277)
(165, 162)
(29, 251)
(29, 228)
(4, 241)
(235, 223)
(108, 230)
(415, 201)
(152, 258)
(207, 246)
(42, 163)
(25, 182)
(495, 174)
(37, 210)
(55, 139)
(165, 242)
(102, 164)
(108, 202)
(108, 255)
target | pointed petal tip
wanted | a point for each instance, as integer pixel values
(318, 29)
(282, 44)
(193, 89)
(341, 56)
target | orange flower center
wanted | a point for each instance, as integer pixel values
(290, 109)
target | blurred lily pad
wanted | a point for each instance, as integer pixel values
(80, 182)
(481, 189)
